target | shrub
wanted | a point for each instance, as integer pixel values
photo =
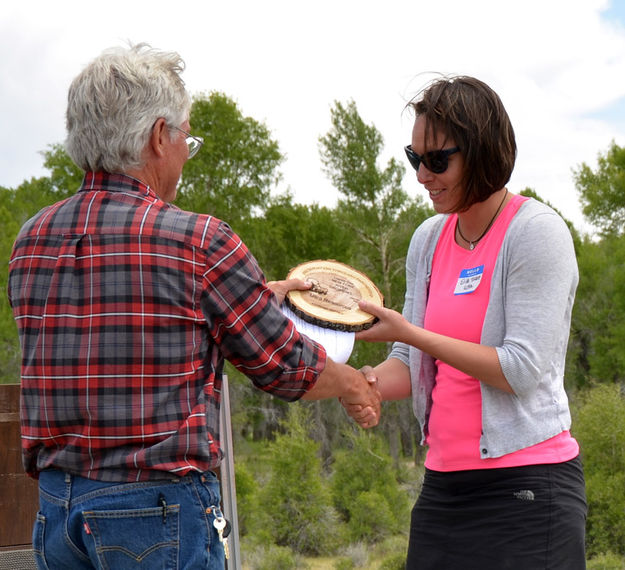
(344, 564)
(371, 517)
(397, 544)
(247, 498)
(296, 506)
(607, 561)
(358, 554)
(395, 561)
(274, 557)
(365, 488)
(600, 429)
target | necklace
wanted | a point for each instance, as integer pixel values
(473, 242)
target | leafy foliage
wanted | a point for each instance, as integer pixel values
(606, 561)
(247, 497)
(598, 323)
(365, 488)
(65, 176)
(288, 234)
(272, 557)
(602, 192)
(297, 505)
(600, 429)
(374, 205)
(232, 175)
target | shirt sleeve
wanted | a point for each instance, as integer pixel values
(538, 291)
(248, 326)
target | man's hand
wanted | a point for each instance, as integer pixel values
(352, 388)
(281, 288)
(366, 415)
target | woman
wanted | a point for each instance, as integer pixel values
(481, 349)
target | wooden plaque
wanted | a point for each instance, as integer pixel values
(332, 302)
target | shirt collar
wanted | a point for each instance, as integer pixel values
(117, 182)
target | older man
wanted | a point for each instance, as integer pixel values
(126, 308)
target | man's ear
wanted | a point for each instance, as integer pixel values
(158, 137)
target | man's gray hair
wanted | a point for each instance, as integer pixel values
(114, 102)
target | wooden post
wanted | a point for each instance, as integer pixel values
(19, 494)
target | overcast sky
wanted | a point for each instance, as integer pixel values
(558, 65)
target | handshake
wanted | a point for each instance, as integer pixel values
(356, 390)
(364, 408)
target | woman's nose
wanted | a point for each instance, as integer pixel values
(423, 174)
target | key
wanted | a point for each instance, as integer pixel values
(227, 529)
(220, 524)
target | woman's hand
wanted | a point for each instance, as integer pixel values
(474, 359)
(390, 327)
(281, 288)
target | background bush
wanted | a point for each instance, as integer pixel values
(599, 426)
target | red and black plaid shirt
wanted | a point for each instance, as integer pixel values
(126, 307)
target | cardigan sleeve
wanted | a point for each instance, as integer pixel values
(536, 290)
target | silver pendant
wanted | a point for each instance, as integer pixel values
(471, 246)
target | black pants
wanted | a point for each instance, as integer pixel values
(518, 518)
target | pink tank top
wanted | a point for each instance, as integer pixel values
(457, 302)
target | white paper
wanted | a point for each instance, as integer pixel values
(338, 344)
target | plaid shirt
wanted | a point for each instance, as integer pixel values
(126, 307)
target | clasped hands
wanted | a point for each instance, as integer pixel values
(365, 409)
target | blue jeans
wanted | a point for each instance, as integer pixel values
(85, 524)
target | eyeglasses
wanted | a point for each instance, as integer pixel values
(435, 161)
(194, 143)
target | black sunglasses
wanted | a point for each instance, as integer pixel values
(435, 161)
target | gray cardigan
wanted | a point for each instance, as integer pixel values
(527, 320)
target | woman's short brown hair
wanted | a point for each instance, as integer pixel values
(472, 114)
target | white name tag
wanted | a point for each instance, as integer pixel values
(469, 280)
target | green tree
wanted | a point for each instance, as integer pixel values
(297, 505)
(602, 192)
(247, 498)
(9, 346)
(598, 324)
(366, 490)
(65, 177)
(374, 206)
(599, 427)
(232, 175)
(289, 233)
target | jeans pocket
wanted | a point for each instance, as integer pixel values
(39, 529)
(137, 538)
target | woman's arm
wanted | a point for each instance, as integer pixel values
(392, 377)
(476, 360)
